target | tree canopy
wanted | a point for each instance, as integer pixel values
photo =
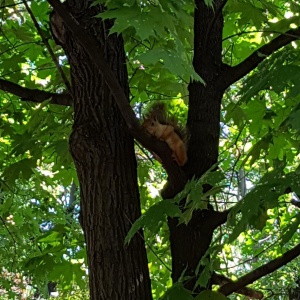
(254, 184)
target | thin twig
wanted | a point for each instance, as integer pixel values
(12, 237)
(263, 31)
(148, 245)
(46, 43)
(10, 5)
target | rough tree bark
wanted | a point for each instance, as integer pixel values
(103, 152)
(190, 242)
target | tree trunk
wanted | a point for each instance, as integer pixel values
(294, 294)
(190, 242)
(103, 152)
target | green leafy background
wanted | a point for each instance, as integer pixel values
(259, 148)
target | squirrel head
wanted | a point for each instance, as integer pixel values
(151, 125)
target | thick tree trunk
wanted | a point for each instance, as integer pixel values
(190, 242)
(103, 153)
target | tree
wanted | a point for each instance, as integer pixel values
(158, 41)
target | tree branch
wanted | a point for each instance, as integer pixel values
(177, 177)
(266, 269)
(262, 31)
(34, 95)
(295, 202)
(10, 5)
(221, 280)
(229, 75)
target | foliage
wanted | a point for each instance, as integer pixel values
(40, 235)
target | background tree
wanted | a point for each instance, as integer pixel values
(248, 183)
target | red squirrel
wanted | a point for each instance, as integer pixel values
(159, 125)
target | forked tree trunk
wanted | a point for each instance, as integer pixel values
(103, 152)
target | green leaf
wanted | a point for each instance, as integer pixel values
(24, 167)
(124, 18)
(51, 237)
(205, 274)
(259, 222)
(40, 9)
(210, 295)
(248, 12)
(291, 229)
(238, 229)
(6, 206)
(294, 120)
(153, 216)
(255, 151)
(209, 3)
(177, 292)
(236, 113)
